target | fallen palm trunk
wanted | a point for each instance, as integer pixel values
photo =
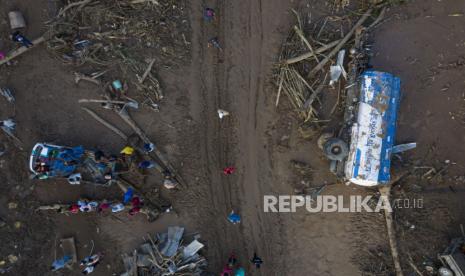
(385, 191)
(105, 123)
(21, 50)
(341, 43)
(310, 54)
(151, 213)
(13, 137)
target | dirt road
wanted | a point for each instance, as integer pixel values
(234, 79)
(237, 79)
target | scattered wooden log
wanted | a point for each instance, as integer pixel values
(341, 43)
(105, 123)
(22, 50)
(147, 72)
(310, 54)
(385, 191)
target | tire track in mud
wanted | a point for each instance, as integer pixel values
(208, 94)
(232, 80)
(245, 84)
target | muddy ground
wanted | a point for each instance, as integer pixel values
(419, 41)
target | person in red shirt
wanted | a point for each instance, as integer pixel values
(229, 170)
(74, 208)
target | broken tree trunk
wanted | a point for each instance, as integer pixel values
(310, 54)
(21, 50)
(105, 123)
(341, 43)
(385, 191)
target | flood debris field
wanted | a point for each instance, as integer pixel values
(106, 75)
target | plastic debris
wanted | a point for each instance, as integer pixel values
(12, 258)
(172, 240)
(115, 208)
(192, 249)
(8, 125)
(166, 255)
(61, 263)
(222, 113)
(337, 70)
(75, 179)
(6, 92)
(403, 147)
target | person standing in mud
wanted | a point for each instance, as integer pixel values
(257, 261)
(209, 14)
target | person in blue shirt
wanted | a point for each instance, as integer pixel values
(234, 218)
(18, 37)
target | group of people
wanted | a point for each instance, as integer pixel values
(229, 270)
(209, 16)
(232, 269)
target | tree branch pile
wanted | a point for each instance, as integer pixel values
(109, 33)
(302, 73)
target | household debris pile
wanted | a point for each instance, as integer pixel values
(108, 35)
(165, 254)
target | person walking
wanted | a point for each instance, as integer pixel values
(257, 261)
(18, 37)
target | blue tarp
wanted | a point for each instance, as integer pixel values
(66, 161)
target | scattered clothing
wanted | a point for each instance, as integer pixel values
(128, 195)
(115, 208)
(234, 218)
(8, 125)
(103, 206)
(209, 14)
(229, 170)
(136, 202)
(74, 208)
(127, 150)
(146, 164)
(134, 211)
(136, 206)
(91, 260)
(257, 261)
(75, 179)
(88, 269)
(18, 37)
(61, 263)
